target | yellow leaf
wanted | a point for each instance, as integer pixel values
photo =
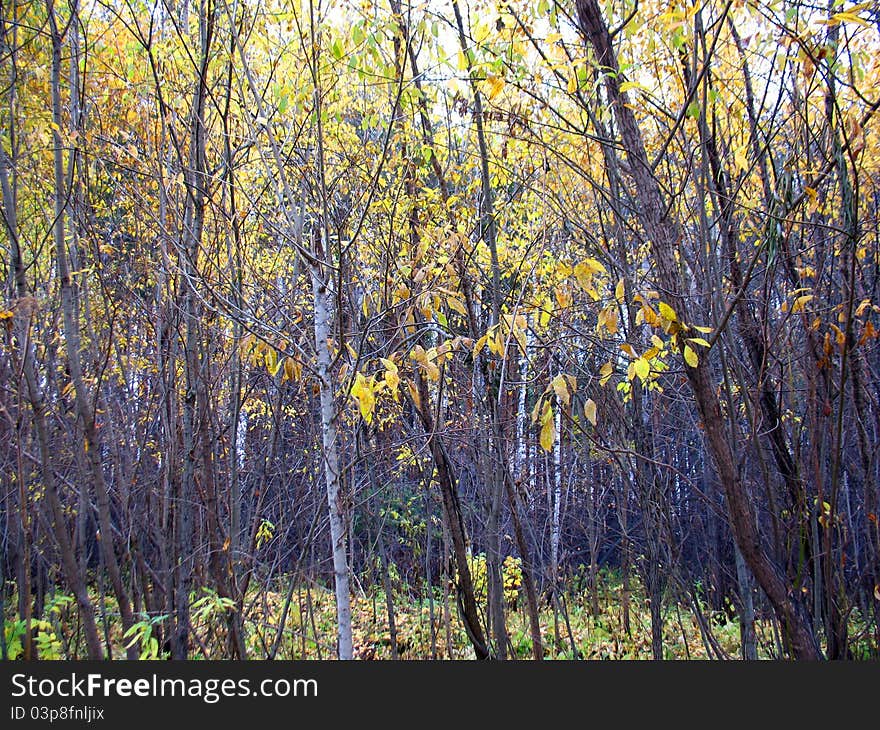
(418, 354)
(584, 274)
(690, 357)
(414, 394)
(563, 298)
(608, 318)
(572, 87)
(392, 380)
(850, 18)
(698, 341)
(741, 158)
(861, 6)
(590, 410)
(496, 342)
(799, 303)
(642, 368)
(813, 198)
(560, 386)
(666, 311)
(362, 391)
(481, 343)
(618, 292)
(456, 305)
(548, 428)
(292, 369)
(273, 364)
(546, 411)
(442, 353)
(627, 85)
(517, 326)
(494, 86)
(536, 411)
(648, 315)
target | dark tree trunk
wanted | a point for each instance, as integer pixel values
(662, 230)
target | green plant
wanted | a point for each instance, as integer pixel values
(210, 605)
(48, 644)
(46, 641)
(265, 532)
(511, 575)
(142, 632)
(14, 631)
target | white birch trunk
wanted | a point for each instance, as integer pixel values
(323, 328)
(557, 500)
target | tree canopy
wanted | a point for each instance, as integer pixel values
(474, 305)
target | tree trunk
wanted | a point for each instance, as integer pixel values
(452, 514)
(662, 229)
(91, 439)
(330, 441)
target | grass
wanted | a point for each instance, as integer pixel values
(310, 628)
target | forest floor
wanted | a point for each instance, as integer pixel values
(570, 631)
